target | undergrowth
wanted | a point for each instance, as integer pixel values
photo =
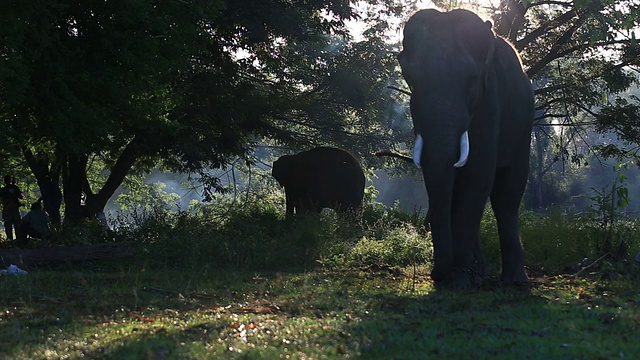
(560, 241)
(246, 282)
(258, 236)
(255, 234)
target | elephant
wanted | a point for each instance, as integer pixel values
(472, 108)
(323, 177)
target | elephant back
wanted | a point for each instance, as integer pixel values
(340, 179)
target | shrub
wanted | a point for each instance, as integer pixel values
(257, 235)
(245, 235)
(557, 240)
(390, 238)
(87, 232)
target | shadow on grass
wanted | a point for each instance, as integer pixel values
(550, 321)
(318, 314)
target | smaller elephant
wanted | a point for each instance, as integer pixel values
(322, 177)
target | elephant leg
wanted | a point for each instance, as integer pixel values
(427, 220)
(309, 205)
(505, 199)
(290, 201)
(478, 258)
(469, 203)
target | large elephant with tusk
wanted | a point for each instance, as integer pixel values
(472, 107)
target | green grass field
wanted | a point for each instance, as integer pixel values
(127, 312)
(258, 286)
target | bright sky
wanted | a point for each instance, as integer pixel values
(357, 27)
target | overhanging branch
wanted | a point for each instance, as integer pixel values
(553, 54)
(545, 28)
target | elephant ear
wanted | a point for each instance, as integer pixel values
(415, 35)
(478, 39)
(282, 169)
(475, 36)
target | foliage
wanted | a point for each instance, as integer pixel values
(189, 87)
(400, 247)
(605, 213)
(89, 231)
(244, 236)
(254, 235)
(558, 241)
(146, 196)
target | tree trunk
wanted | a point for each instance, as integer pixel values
(539, 170)
(96, 202)
(76, 183)
(43, 164)
(74, 170)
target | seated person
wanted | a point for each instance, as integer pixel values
(36, 223)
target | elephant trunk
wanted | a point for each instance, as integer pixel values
(442, 151)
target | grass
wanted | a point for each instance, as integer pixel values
(255, 285)
(129, 312)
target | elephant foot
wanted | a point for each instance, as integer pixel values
(518, 277)
(465, 279)
(461, 280)
(441, 273)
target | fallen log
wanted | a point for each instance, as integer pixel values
(26, 257)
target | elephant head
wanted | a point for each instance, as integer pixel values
(282, 171)
(446, 60)
(286, 172)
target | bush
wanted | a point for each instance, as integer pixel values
(87, 232)
(557, 240)
(401, 246)
(389, 238)
(248, 235)
(257, 235)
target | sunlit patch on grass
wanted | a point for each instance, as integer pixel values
(316, 314)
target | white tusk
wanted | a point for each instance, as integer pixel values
(417, 150)
(464, 150)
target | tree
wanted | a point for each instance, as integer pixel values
(583, 56)
(190, 87)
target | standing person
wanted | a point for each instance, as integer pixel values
(10, 196)
(51, 200)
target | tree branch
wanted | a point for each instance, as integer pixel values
(551, 2)
(545, 28)
(400, 90)
(553, 54)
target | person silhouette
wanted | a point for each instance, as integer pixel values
(10, 196)
(36, 223)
